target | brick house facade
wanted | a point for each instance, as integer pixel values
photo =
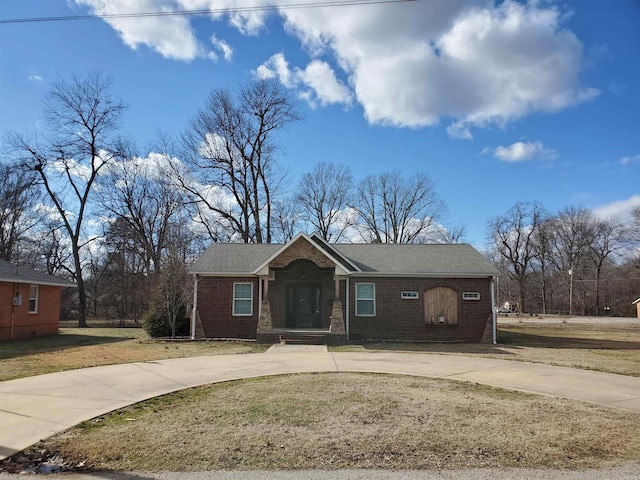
(357, 292)
(29, 302)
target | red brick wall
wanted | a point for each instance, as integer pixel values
(399, 319)
(26, 324)
(396, 319)
(215, 305)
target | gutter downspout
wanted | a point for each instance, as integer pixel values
(494, 332)
(194, 311)
(346, 294)
(13, 310)
(260, 297)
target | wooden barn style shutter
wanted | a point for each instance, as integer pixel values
(441, 306)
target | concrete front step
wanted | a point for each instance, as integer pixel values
(303, 339)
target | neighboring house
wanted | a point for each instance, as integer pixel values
(636, 302)
(408, 292)
(29, 302)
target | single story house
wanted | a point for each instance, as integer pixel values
(29, 302)
(636, 302)
(356, 292)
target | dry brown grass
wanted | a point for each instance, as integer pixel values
(613, 348)
(90, 347)
(330, 421)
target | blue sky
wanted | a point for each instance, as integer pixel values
(497, 101)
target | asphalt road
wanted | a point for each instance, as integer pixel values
(625, 472)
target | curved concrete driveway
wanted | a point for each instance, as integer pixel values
(34, 408)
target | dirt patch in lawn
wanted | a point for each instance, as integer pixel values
(90, 347)
(332, 421)
(612, 348)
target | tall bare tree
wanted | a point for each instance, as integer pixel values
(231, 147)
(394, 209)
(572, 235)
(17, 195)
(141, 194)
(608, 237)
(81, 117)
(542, 237)
(512, 235)
(286, 220)
(324, 194)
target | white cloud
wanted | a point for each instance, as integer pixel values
(317, 83)
(630, 159)
(620, 208)
(521, 152)
(170, 36)
(471, 63)
(225, 49)
(276, 67)
(460, 131)
(74, 168)
(35, 78)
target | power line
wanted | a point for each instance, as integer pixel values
(290, 6)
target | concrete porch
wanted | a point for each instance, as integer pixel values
(305, 336)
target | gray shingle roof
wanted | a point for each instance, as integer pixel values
(412, 259)
(10, 273)
(233, 258)
(384, 259)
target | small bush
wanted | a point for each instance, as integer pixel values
(157, 324)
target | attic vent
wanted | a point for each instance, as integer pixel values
(409, 295)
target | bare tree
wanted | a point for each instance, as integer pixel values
(324, 194)
(608, 237)
(81, 117)
(231, 147)
(140, 193)
(17, 195)
(286, 220)
(543, 250)
(512, 235)
(394, 209)
(572, 235)
(173, 291)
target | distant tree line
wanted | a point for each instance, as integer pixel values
(571, 262)
(78, 200)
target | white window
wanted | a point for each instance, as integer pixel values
(471, 295)
(242, 299)
(365, 299)
(33, 299)
(409, 295)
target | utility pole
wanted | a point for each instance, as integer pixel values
(570, 292)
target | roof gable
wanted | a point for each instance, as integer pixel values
(302, 246)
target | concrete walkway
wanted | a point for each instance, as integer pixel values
(34, 408)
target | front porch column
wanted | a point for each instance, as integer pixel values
(264, 322)
(337, 319)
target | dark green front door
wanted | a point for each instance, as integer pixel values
(304, 306)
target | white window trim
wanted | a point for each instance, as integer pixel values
(233, 304)
(36, 298)
(369, 299)
(470, 295)
(409, 295)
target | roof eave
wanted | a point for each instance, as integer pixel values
(39, 282)
(424, 274)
